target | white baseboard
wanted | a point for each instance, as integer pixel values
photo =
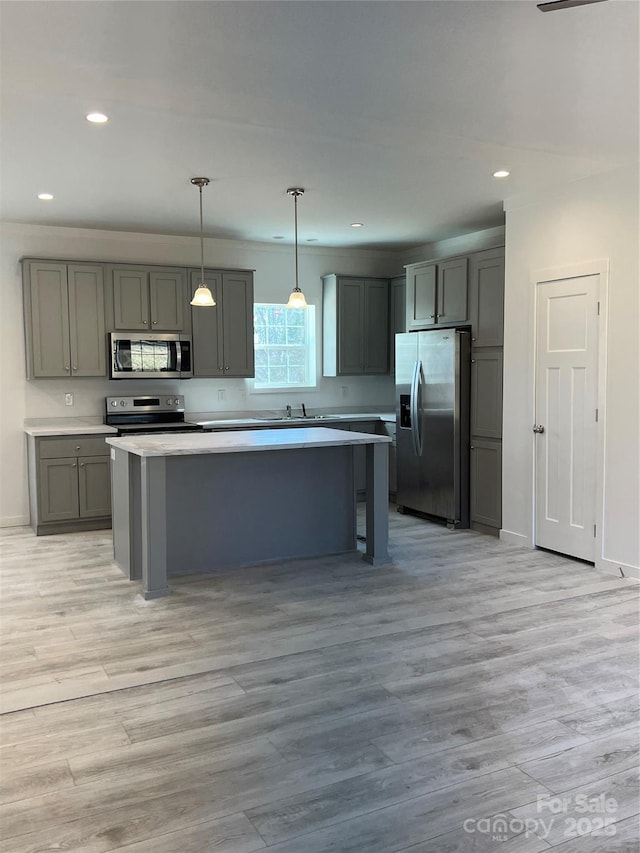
(613, 568)
(515, 538)
(14, 521)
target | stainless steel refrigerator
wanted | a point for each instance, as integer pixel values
(432, 424)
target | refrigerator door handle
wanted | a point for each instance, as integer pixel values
(418, 376)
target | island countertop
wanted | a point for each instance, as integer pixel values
(242, 441)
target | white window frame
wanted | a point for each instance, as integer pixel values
(309, 347)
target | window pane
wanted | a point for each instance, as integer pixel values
(284, 346)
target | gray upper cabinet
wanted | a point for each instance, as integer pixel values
(355, 325)
(436, 293)
(223, 335)
(397, 314)
(452, 291)
(149, 298)
(421, 296)
(486, 298)
(64, 319)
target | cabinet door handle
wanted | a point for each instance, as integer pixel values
(442, 315)
(473, 361)
(155, 322)
(82, 464)
(146, 322)
(473, 339)
(74, 465)
(226, 368)
(66, 367)
(78, 447)
(432, 316)
(472, 447)
(75, 366)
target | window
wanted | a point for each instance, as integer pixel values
(285, 346)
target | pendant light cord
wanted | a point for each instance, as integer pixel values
(201, 239)
(295, 200)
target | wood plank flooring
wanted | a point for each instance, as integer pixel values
(445, 703)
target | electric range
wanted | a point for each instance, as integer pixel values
(148, 414)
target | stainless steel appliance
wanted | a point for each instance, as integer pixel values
(140, 355)
(138, 415)
(432, 423)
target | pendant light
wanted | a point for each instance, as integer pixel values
(202, 298)
(296, 300)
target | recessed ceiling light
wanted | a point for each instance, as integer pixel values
(278, 238)
(45, 196)
(501, 173)
(97, 118)
(357, 224)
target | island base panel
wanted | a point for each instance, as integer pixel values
(229, 510)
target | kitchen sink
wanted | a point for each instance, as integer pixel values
(283, 419)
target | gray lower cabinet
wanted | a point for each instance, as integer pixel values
(154, 299)
(64, 313)
(436, 293)
(223, 335)
(69, 483)
(355, 325)
(389, 428)
(486, 485)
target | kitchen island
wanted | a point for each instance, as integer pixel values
(194, 503)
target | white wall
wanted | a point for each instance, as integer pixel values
(589, 220)
(274, 274)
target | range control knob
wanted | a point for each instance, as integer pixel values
(114, 403)
(177, 401)
(169, 402)
(123, 402)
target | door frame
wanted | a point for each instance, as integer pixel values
(598, 268)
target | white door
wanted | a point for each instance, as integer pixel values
(566, 412)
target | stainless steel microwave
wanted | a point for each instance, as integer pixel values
(139, 355)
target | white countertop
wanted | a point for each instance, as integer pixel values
(67, 426)
(189, 444)
(211, 422)
(94, 426)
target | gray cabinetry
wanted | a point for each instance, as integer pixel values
(69, 483)
(149, 298)
(486, 298)
(397, 314)
(64, 319)
(436, 293)
(389, 428)
(223, 335)
(469, 291)
(355, 325)
(486, 393)
(486, 484)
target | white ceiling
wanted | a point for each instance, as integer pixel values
(394, 114)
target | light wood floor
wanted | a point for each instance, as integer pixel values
(320, 705)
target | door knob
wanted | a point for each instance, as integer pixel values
(538, 428)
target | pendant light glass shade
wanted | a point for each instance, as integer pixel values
(203, 297)
(296, 299)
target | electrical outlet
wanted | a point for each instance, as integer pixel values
(221, 394)
(343, 390)
(68, 399)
